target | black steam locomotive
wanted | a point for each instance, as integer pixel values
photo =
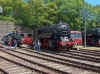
(56, 36)
(93, 37)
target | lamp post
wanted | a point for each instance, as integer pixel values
(85, 32)
(84, 15)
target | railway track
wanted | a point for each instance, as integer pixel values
(70, 62)
(60, 59)
(10, 65)
(3, 71)
(92, 53)
(51, 69)
(13, 67)
(81, 56)
(88, 55)
(57, 61)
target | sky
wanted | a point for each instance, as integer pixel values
(93, 2)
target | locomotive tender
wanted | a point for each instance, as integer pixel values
(56, 37)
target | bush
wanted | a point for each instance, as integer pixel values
(19, 21)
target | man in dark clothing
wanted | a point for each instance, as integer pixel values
(17, 36)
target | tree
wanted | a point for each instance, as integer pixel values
(38, 13)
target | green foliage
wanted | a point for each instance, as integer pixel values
(37, 13)
(7, 18)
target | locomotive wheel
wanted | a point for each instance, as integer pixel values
(68, 49)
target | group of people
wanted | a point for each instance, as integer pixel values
(16, 40)
(12, 39)
(11, 42)
(32, 44)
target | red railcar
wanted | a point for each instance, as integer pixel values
(56, 37)
(76, 37)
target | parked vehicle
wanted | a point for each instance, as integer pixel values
(28, 40)
(5, 38)
(76, 37)
(14, 36)
(93, 37)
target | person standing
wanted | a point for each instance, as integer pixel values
(15, 43)
(35, 44)
(38, 45)
(9, 42)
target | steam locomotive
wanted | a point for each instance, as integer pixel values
(56, 36)
(93, 37)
